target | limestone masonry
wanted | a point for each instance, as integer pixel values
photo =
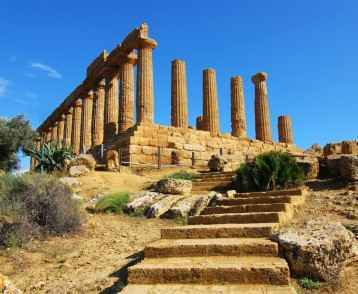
(111, 111)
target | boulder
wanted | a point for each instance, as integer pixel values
(142, 201)
(83, 159)
(216, 163)
(204, 202)
(71, 182)
(187, 206)
(318, 250)
(315, 149)
(174, 186)
(78, 170)
(112, 160)
(231, 194)
(7, 287)
(162, 206)
(310, 166)
(348, 167)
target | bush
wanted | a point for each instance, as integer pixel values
(32, 205)
(270, 171)
(113, 203)
(308, 283)
(182, 175)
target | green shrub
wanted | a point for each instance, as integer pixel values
(269, 171)
(308, 283)
(50, 157)
(113, 203)
(182, 175)
(34, 204)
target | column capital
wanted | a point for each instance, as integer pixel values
(101, 84)
(259, 77)
(131, 58)
(209, 70)
(78, 103)
(70, 110)
(236, 79)
(55, 123)
(178, 61)
(147, 43)
(62, 117)
(89, 95)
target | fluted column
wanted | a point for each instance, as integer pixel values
(200, 125)
(98, 114)
(76, 126)
(262, 112)
(48, 135)
(54, 135)
(126, 94)
(86, 131)
(210, 102)
(61, 129)
(68, 127)
(285, 129)
(145, 91)
(111, 107)
(238, 116)
(179, 96)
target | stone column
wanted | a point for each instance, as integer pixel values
(76, 126)
(238, 116)
(262, 112)
(200, 125)
(285, 129)
(210, 102)
(111, 107)
(68, 127)
(54, 135)
(179, 96)
(48, 135)
(86, 131)
(145, 91)
(126, 94)
(98, 114)
(61, 129)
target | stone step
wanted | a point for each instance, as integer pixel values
(211, 247)
(237, 218)
(210, 270)
(199, 180)
(257, 200)
(207, 289)
(291, 192)
(219, 231)
(271, 207)
(212, 184)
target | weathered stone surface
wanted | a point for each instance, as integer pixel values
(349, 147)
(84, 159)
(179, 96)
(162, 206)
(76, 127)
(112, 160)
(348, 167)
(174, 186)
(285, 129)
(187, 207)
(317, 250)
(111, 107)
(216, 163)
(7, 287)
(78, 170)
(231, 194)
(86, 130)
(238, 116)
(71, 182)
(98, 113)
(310, 165)
(142, 201)
(315, 149)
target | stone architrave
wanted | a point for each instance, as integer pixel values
(210, 102)
(76, 126)
(145, 91)
(98, 114)
(111, 107)
(68, 127)
(86, 131)
(262, 112)
(61, 129)
(54, 135)
(126, 93)
(179, 96)
(238, 116)
(285, 129)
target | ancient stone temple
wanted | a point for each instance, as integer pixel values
(113, 110)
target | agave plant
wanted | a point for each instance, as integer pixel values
(50, 156)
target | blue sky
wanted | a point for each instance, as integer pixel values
(308, 48)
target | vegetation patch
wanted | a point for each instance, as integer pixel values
(270, 171)
(308, 283)
(112, 203)
(182, 175)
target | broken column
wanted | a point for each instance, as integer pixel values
(200, 125)
(76, 126)
(111, 107)
(285, 129)
(210, 102)
(145, 91)
(179, 108)
(126, 97)
(61, 129)
(68, 127)
(238, 116)
(262, 112)
(98, 114)
(86, 131)
(54, 132)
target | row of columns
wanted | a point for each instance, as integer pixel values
(209, 121)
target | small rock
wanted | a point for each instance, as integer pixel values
(71, 182)
(216, 163)
(174, 186)
(83, 159)
(142, 201)
(185, 207)
(231, 194)
(162, 206)
(78, 170)
(112, 160)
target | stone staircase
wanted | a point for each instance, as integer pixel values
(212, 181)
(226, 249)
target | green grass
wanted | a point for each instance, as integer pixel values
(308, 283)
(112, 203)
(182, 175)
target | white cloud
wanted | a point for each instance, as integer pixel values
(4, 84)
(51, 72)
